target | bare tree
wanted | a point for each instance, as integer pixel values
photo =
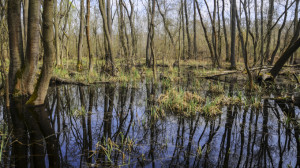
(80, 41)
(91, 61)
(233, 27)
(106, 18)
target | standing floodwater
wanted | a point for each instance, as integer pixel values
(116, 125)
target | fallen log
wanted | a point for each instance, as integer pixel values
(57, 80)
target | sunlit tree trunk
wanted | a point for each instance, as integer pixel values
(15, 41)
(27, 75)
(57, 49)
(41, 88)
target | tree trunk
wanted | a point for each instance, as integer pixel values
(80, 41)
(27, 75)
(256, 32)
(294, 56)
(233, 27)
(279, 34)
(15, 42)
(195, 30)
(225, 31)
(107, 32)
(187, 29)
(206, 36)
(40, 91)
(57, 49)
(262, 33)
(244, 44)
(25, 22)
(284, 58)
(269, 25)
(91, 61)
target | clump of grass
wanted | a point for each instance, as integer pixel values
(181, 102)
(188, 104)
(216, 88)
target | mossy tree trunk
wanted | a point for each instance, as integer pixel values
(40, 92)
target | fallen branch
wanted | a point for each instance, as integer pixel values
(209, 76)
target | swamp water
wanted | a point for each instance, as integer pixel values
(114, 125)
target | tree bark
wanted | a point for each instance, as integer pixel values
(91, 61)
(106, 18)
(80, 41)
(284, 58)
(279, 35)
(225, 31)
(40, 92)
(187, 29)
(27, 76)
(57, 49)
(233, 27)
(269, 30)
(15, 42)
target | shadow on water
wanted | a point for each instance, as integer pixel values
(115, 125)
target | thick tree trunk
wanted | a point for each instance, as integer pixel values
(15, 42)
(40, 91)
(27, 77)
(284, 58)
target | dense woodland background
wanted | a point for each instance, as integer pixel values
(113, 37)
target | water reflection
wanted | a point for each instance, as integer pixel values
(113, 125)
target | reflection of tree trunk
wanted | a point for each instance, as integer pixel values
(19, 148)
(228, 126)
(83, 123)
(40, 131)
(91, 104)
(242, 136)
